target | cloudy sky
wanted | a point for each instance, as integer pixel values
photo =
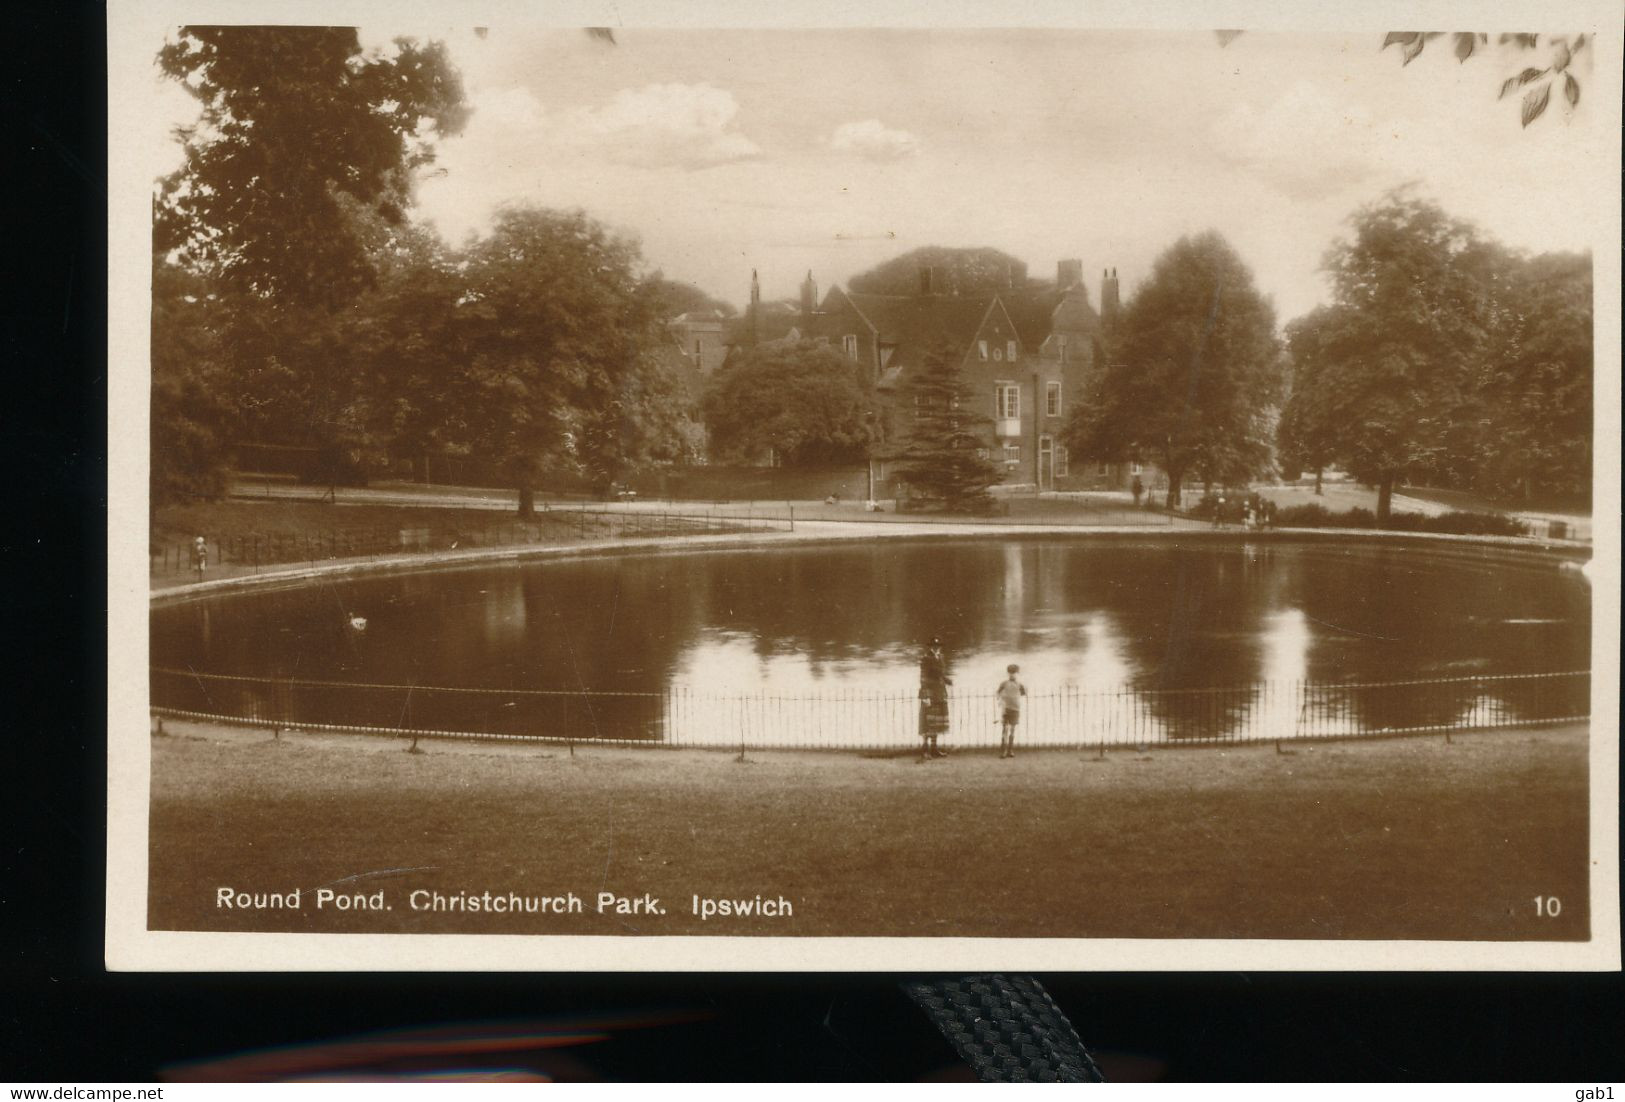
(781, 150)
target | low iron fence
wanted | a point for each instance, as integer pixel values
(253, 551)
(859, 720)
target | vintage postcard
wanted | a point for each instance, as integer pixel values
(1025, 486)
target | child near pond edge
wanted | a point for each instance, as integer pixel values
(1010, 692)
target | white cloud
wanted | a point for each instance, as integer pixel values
(874, 140)
(1306, 143)
(686, 126)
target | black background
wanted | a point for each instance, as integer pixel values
(65, 1019)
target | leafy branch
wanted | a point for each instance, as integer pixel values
(1536, 99)
(1467, 43)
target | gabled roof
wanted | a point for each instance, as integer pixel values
(916, 324)
(1039, 310)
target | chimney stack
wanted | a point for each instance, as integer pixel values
(755, 308)
(1068, 274)
(809, 302)
(1108, 299)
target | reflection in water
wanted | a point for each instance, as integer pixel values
(1134, 634)
(1285, 667)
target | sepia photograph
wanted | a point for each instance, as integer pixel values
(727, 491)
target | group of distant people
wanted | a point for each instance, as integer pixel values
(1253, 512)
(934, 682)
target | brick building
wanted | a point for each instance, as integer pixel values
(1028, 351)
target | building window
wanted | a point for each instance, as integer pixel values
(849, 345)
(1052, 399)
(1060, 462)
(1060, 346)
(981, 350)
(998, 354)
(1010, 351)
(696, 348)
(919, 406)
(1134, 468)
(1103, 468)
(1007, 400)
(1012, 454)
(983, 453)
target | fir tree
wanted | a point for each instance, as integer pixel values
(943, 461)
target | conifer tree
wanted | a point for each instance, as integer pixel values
(943, 461)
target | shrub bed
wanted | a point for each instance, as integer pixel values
(1318, 516)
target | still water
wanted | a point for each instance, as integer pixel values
(847, 621)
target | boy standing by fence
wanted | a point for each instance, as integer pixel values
(1010, 692)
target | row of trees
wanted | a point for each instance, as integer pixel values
(1443, 359)
(1446, 359)
(294, 302)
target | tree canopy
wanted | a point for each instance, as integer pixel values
(192, 410)
(1446, 359)
(1194, 374)
(298, 122)
(676, 297)
(944, 461)
(558, 343)
(806, 403)
(1536, 398)
(963, 271)
(1386, 374)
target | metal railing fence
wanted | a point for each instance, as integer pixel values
(555, 524)
(864, 720)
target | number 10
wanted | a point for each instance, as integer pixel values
(1548, 906)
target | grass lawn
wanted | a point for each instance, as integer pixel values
(1404, 838)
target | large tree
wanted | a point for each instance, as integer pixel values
(1303, 441)
(1194, 373)
(304, 143)
(1401, 351)
(192, 412)
(296, 123)
(408, 337)
(944, 459)
(964, 271)
(804, 403)
(558, 344)
(1536, 398)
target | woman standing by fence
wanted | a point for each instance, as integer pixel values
(934, 682)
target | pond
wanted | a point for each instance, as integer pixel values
(1118, 641)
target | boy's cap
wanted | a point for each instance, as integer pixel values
(1012, 668)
